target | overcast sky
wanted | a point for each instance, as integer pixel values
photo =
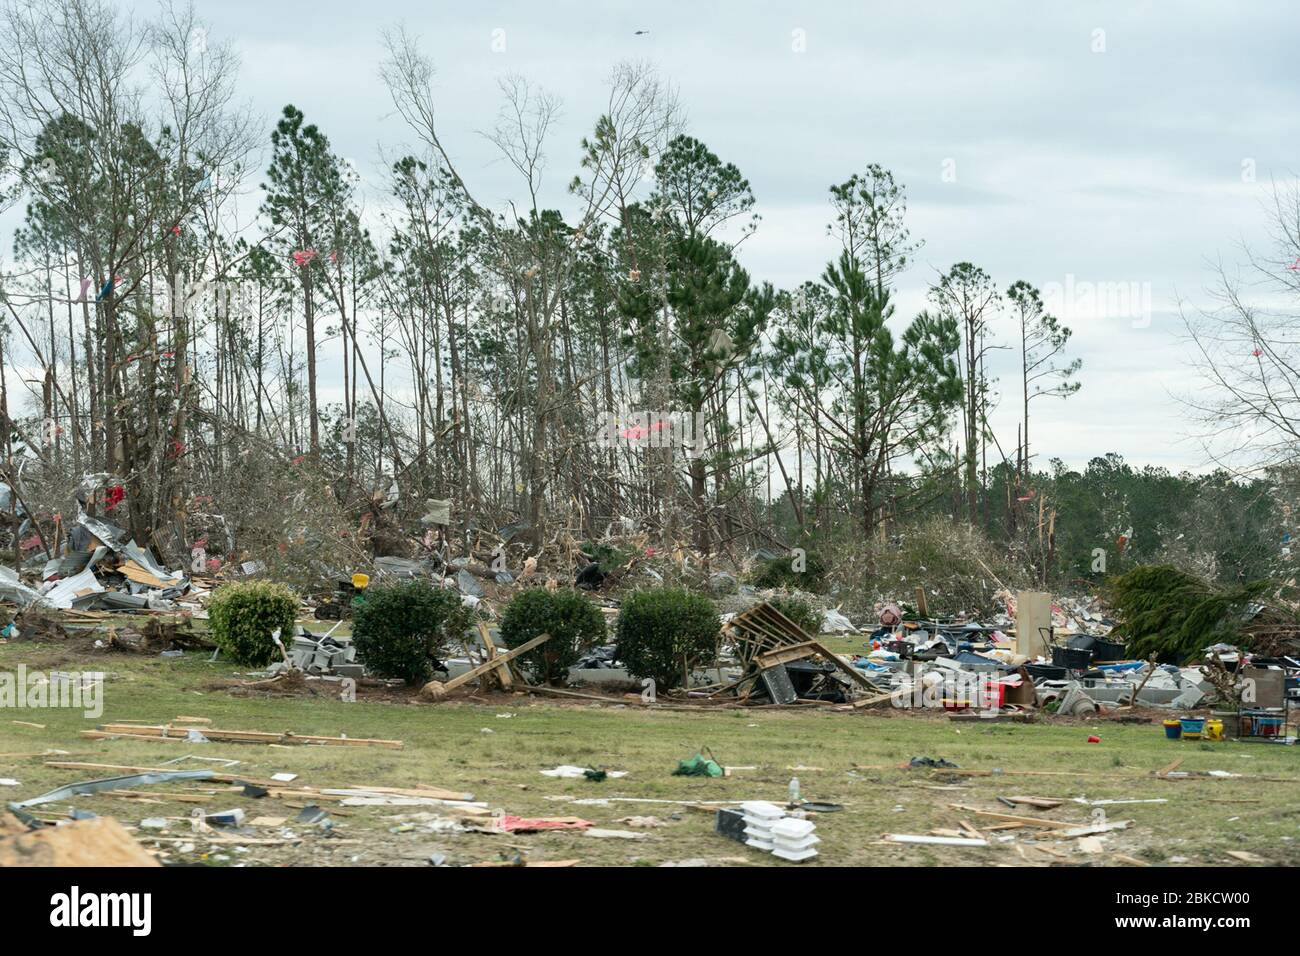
(1068, 143)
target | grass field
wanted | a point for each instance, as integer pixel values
(496, 747)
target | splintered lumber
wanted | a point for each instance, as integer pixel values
(871, 701)
(168, 732)
(161, 797)
(502, 674)
(854, 674)
(139, 575)
(785, 655)
(218, 777)
(970, 831)
(763, 637)
(1093, 829)
(432, 793)
(1012, 818)
(437, 689)
(1038, 803)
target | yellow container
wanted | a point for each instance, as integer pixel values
(1214, 730)
(360, 581)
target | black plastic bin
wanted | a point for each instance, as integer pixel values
(1104, 651)
(1071, 658)
(1039, 672)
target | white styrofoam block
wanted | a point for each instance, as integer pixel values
(798, 857)
(793, 828)
(800, 844)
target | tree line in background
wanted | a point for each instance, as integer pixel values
(518, 360)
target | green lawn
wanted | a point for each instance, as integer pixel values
(464, 745)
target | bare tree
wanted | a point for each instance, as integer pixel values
(1245, 349)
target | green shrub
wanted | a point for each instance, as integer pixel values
(800, 611)
(399, 628)
(780, 573)
(243, 615)
(574, 623)
(658, 628)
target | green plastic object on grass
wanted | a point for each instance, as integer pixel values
(698, 766)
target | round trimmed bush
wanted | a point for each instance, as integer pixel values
(574, 623)
(399, 628)
(243, 615)
(799, 611)
(658, 628)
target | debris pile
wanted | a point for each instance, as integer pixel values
(99, 567)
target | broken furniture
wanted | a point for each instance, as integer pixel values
(768, 644)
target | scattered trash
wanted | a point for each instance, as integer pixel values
(111, 783)
(698, 766)
(613, 834)
(932, 762)
(570, 772)
(513, 824)
(232, 736)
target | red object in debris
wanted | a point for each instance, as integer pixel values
(30, 543)
(214, 564)
(649, 552)
(523, 824)
(1094, 739)
(113, 497)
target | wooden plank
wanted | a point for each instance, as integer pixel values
(1012, 818)
(1040, 803)
(849, 669)
(784, 655)
(502, 674)
(167, 732)
(869, 701)
(970, 830)
(139, 575)
(122, 768)
(437, 689)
